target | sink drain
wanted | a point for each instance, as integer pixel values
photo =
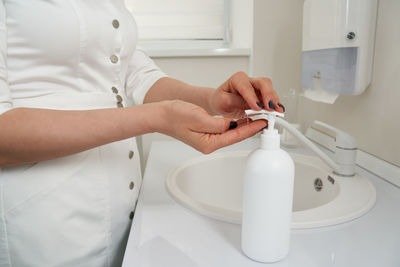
(318, 184)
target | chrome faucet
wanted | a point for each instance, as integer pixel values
(344, 162)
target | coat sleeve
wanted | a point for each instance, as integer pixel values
(142, 74)
(5, 97)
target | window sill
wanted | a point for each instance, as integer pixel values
(192, 49)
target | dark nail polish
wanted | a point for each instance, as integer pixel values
(260, 105)
(282, 106)
(271, 104)
(232, 125)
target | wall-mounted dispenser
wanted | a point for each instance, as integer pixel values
(338, 45)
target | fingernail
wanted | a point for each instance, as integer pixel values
(232, 125)
(260, 105)
(271, 104)
(282, 106)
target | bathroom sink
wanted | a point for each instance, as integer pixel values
(211, 185)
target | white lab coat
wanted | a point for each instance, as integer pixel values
(70, 54)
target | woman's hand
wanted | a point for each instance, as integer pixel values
(240, 92)
(192, 125)
(31, 135)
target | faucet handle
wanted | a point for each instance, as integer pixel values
(345, 150)
(342, 139)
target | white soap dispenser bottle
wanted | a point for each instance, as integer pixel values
(267, 198)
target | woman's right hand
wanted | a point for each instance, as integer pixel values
(192, 125)
(31, 135)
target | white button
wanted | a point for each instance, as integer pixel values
(114, 59)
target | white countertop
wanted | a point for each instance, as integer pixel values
(165, 234)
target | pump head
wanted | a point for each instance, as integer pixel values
(267, 115)
(269, 138)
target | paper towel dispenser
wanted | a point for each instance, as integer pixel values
(338, 45)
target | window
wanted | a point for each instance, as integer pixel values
(181, 19)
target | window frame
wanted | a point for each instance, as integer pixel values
(228, 46)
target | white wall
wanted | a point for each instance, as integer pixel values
(277, 42)
(202, 71)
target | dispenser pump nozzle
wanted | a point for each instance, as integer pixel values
(269, 137)
(265, 114)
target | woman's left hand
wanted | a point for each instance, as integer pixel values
(241, 92)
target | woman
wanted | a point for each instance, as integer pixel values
(70, 170)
